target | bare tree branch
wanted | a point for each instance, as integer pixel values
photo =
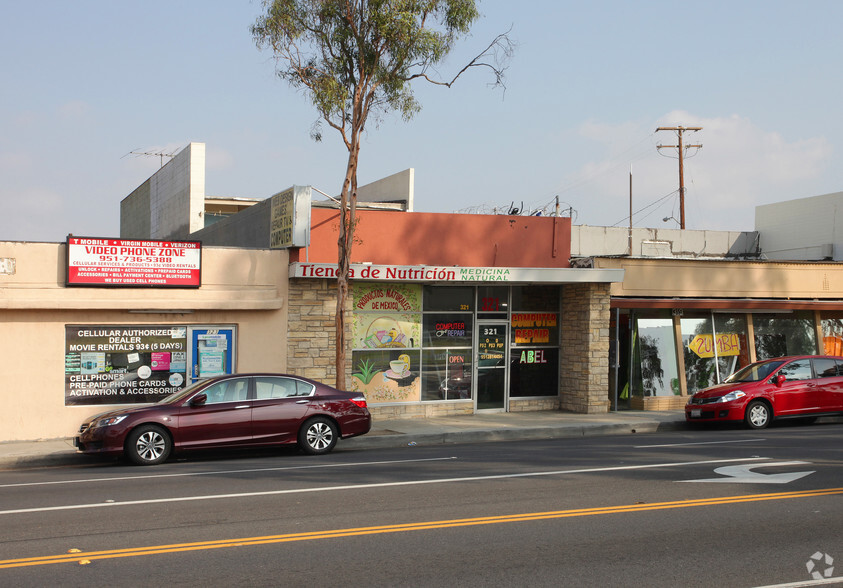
(500, 49)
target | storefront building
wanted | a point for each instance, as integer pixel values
(72, 351)
(681, 325)
(470, 313)
(425, 348)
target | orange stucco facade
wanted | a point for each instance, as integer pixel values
(419, 238)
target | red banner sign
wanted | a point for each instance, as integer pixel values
(133, 263)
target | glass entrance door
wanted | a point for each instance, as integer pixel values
(491, 365)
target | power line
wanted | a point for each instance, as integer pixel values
(640, 210)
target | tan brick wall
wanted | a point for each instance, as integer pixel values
(584, 382)
(531, 404)
(407, 411)
(311, 330)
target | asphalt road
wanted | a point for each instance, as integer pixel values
(708, 507)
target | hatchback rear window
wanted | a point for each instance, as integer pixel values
(827, 368)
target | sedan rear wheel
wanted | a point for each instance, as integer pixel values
(148, 445)
(318, 435)
(757, 415)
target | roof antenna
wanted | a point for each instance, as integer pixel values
(159, 154)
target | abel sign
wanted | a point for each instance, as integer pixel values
(133, 263)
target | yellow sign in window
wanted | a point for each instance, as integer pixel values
(727, 344)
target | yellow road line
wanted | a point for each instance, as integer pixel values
(401, 528)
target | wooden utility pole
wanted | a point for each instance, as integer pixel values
(681, 150)
(630, 210)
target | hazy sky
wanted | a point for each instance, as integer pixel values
(85, 83)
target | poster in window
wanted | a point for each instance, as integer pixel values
(386, 335)
(535, 328)
(386, 375)
(386, 316)
(379, 331)
(447, 329)
(116, 364)
(212, 349)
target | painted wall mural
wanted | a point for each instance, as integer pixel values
(386, 336)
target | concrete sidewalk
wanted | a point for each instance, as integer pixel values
(476, 428)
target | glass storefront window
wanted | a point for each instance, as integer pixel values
(492, 301)
(540, 297)
(534, 340)
(832, 325)
(655, 371)
(733, 350)
(446, 374)
(447, 330)
(777, 335)
(414, 343)
(712, 355)
(533, 372)
(451, 298)
(698, 345)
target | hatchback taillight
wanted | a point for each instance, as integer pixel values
(359, 401)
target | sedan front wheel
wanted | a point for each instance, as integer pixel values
(148, 445)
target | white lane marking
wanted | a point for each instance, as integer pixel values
(824, 581)
(223, 472)
(743, 474)
(377, 485)
(699, 443)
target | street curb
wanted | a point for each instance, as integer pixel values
(59, 458)
(386, 441)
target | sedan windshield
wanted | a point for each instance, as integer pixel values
(755, 372)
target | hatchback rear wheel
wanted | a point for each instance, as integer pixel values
(318, 435)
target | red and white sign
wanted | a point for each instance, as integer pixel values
(133, 263)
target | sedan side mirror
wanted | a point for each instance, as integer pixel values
(199, 400)
(779, 380)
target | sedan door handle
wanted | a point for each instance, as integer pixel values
(242, 406)
(302, 401)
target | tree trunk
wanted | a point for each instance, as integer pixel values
(348, 209)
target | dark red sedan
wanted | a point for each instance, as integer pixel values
(798, 386)
(239, 410)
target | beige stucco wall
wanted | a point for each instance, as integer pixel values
(245, 288)
(725, 279)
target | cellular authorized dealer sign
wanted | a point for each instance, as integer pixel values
(112, 364)
(120, 262)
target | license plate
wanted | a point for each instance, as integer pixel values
(696, 413)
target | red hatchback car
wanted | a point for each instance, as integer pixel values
(239, 410)
(799, 386)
